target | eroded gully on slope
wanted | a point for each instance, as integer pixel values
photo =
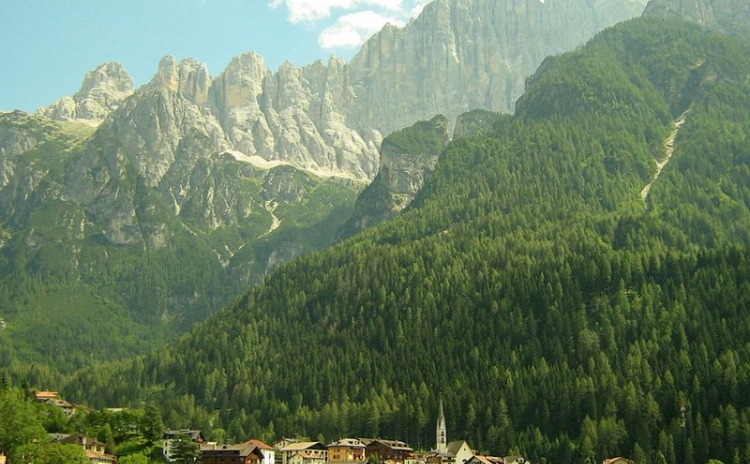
(669, 146)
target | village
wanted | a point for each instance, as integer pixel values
(342, 451)
(290, 450)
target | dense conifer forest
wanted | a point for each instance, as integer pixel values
(557, 311)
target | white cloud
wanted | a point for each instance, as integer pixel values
(353, 29)
(315, 10)
(418, 7)
(349, 23)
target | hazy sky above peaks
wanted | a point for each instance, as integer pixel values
(47, 46)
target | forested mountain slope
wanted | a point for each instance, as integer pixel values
(115, 239)
(529, 286)
(134, 212)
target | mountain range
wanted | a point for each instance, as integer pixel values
(139, 211)
(570, 281)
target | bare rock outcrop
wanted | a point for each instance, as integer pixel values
(329, 118)
(102, 91)
(460, 55)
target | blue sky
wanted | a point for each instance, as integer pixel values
(47, 46)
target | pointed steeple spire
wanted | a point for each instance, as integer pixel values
(442, 434)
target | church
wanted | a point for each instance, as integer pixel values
(455, 452)
(459, 452)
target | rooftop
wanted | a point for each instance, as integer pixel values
(348, 443)
(304, 445)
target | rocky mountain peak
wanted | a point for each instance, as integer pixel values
(242, 82)
(102, 91)
(188, 77)
(459, 55)
(167, 74)
(289, 89)
(110, 79)
(330, 117)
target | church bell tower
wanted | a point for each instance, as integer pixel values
(442, 438)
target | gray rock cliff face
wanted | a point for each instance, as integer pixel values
(405, 168)
(459, 55)
(103, 89)
(303, 108)
(330, 118)
(726, 16)
(13, 142)
(408, 157)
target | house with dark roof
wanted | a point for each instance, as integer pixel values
(268, 451)
(52, 398)
(311, 449)
(387, 450)
(478, 459)
(461, 451)
(94, 449)
(87, 443)
(244, 453)
(67, 408)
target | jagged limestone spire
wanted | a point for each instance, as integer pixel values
(442, 435)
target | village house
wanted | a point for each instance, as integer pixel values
(43, 396)
(280, 445)
(53, 399)
(418, 458)
(346, 450)
(310, 450)
(477, 459)
(244, 453)
(94, 449)
(67, 408)
(87, 443)
(284, 442)
(172, 437)
(304, 457)
(618, 460)
(100, 458)
(269, 453)
(387, 450)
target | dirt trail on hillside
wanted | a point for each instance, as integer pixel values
(668, 151)
(275, 221)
